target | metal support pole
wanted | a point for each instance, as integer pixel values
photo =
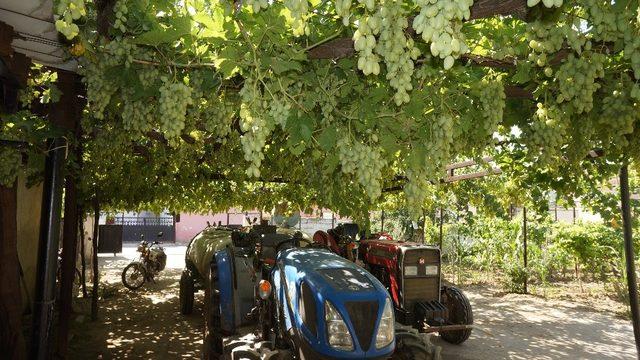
(382, 222)
(524, 233)
(333, 219)
(630, 254)
(83, 259)
(227, 217)
(441, 223)
(47, 252)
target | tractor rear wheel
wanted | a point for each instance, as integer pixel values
(460, 313)
(410, 346)
(186, 292)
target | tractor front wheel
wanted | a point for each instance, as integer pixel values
(186, 292)
(460, 313)
(411, 346)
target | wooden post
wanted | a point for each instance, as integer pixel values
(630, 254)
(68, 266)
(524, 233)
(94, 251)
(382, 222)
(574, 213)
(12, 341)
(227, 217)
(333, 219)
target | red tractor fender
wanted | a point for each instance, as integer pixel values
(383, 254)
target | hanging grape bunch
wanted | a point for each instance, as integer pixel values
(398, 51)
(120, 10)
(492, 100)
(440, 23)
(365, 43)
(364, 161)
(299, 10)
(546, 134)
(577, 81)
(172, 107)
(218, 116)
(255, 126)
(618, 117)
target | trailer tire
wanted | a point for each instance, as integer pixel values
(460, 313)
(186, 292)
(213, 346)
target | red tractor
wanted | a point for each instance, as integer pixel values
(411, 272)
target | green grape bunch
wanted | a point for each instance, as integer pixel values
(137, 115)
(577, 81)
(363, 161)
(365, 44)
(218, 116)
(173, 101)
(492, 101)
(398, 52)
(440, 23)
(618, 119)
(299, 10)
(120, 10)
(546, 134)
(99, 88)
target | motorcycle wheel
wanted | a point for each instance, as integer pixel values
(134, 276)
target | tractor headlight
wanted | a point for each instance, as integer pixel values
(337, 330)
(431, 270)
(386, 331)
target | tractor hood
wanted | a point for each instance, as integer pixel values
(306, 279)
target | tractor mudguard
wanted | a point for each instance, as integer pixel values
(236, 281)
(225, 283)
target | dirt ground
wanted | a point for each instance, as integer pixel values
(147, 325)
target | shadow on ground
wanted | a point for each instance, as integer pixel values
(527, 327)
(145, 324)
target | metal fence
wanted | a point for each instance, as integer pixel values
(144, 221)
(134, 228)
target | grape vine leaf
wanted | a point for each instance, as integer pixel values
(328, 138)
(180, 27)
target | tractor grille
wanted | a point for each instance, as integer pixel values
(420, 287)
(363, 315)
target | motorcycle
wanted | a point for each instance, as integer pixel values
(152, 260)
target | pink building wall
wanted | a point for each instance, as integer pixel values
(191, 224)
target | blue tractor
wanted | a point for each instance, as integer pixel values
(302, 302)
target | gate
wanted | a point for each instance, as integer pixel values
(134, 227)
(110, 239)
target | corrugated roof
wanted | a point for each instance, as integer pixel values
(36, 36)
